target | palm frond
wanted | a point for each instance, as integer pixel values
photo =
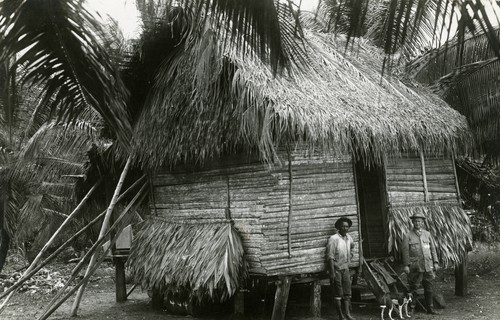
(271, 28)
(408, 26)
(474, 91)
(56, 150)
(58, 44)
(443, 61)
(35, 214)
(204, 259)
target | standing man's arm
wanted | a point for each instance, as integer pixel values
(330, 255)
(434, 254)
(406, 253)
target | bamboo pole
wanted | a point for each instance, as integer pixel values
(53, 305)
(456, 178)
(424, 177)
(26, 277)
(104, 227)
(51, 240)
(358, 211)
(94, 247)
(290, 203)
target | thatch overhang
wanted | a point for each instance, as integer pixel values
(195, 259)
(209, 101)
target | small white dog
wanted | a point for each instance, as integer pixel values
(401, 303)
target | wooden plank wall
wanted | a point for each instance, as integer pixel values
(194, 196)
(323, 189)
(441, 180)
(250, 192)
(405, 182)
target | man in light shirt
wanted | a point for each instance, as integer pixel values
(420, 260)
(339, 251)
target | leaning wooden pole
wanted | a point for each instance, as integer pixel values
(51, 240)
(56, 302)
(26, 277)
(104, 227)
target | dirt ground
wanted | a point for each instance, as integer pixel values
(482, 301)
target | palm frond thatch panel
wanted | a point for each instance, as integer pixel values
(449, 225)
(340, 104)
(204, 259)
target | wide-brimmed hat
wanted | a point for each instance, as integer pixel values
(343, 219)
(417, 215)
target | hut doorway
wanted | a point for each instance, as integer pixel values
(372, 206)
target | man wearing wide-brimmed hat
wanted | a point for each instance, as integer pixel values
(339, 251)
(420, 260)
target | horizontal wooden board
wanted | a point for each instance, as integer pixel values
(404, 177)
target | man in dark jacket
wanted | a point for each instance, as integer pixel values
(420, 260)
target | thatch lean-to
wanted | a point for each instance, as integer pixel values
(184, 254)
(279, 159)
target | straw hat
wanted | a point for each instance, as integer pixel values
(343, 219)
(417, 215)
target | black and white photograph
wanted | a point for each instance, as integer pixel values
(250, 159)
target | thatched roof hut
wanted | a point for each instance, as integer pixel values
(281, 158)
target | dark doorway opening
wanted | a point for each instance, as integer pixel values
(372, 203)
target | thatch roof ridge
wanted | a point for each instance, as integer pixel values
(214, 101)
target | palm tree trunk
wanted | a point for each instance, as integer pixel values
(104, 227)
(4, 245)
(4, 235)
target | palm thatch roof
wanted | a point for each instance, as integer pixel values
(203, 260)
(212, 100)
(449, 225)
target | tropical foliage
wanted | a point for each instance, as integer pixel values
(176, 258)
(466, 74)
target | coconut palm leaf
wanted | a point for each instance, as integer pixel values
(58, 44)
(444, 60)
(474, 90)
(203, 260)
(467, 77)
(270, 27)
(408, 26)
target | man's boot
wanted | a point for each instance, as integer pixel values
(338, 307)
(429, 303)
(347, 306)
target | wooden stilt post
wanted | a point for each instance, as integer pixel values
(315, 300)
(281, 298)
(121, 287)
(239, 303)
(157, 300)
(461, 277)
